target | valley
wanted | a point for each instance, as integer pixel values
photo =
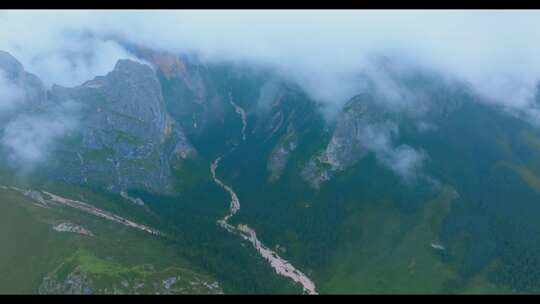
(143, 195)
(280, 265)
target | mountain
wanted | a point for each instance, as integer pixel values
(23, 88)
(127, 139)
(253, 188)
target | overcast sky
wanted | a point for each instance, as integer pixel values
(496, 51)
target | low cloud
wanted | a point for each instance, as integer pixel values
(332, 55)
(30, 137)
(85, 59)
(57, 46)
(11, 95)
(496, 52)
(403, 160)
(268, 94)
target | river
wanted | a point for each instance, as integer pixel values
(280, 265)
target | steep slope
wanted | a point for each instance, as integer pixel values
(63, 250)
(32, 92)
(125, 138)
(302, 197)
(432, 190)
(114, 152)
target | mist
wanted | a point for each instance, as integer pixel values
(30, 137)
(324, 52)
(10, 94)
(405, 161)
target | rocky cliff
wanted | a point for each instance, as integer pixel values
(121, 137)
(125, 138)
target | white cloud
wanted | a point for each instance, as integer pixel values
(29, 138)
(496, 51)
(55, 45)
(403, 160)
(10, 94)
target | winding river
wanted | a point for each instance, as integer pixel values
(280, 265)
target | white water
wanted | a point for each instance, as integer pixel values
(280, 265)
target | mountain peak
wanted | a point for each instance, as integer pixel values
(130, 66)
(10, 65)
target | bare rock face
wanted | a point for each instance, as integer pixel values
(346, 145)
(281, 154)
(25, 89)
(125, 137)
(72, 228)
(369, 120)
(122, 138)
(78, 281)
(11, 66)
(189, 94)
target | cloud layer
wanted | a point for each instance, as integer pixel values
(10, 94)
(403, 160)
(495, 51)
(30, 137)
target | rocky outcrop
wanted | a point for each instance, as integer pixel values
(76, 282)
(34, 91)
(189, 95)
(125, 138)
(21, 91)
(128, 281)
(72, 228)
(370, 120)
(280, 155)
(31, 194)
(347, 145)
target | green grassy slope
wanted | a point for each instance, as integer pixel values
(31, 249)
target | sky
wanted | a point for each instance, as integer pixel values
(496, 52)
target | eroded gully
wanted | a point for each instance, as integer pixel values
(280, 265)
